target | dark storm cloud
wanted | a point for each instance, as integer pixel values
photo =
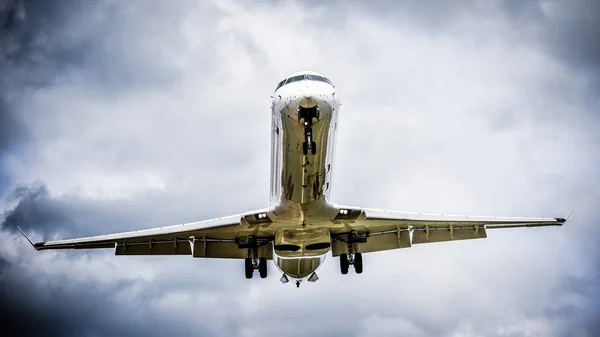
(35, 211)
(579, 300)
(11, 128)
(30, 50)
(108, 51)
(48, 38)
(43, 40)
(572, 33)
(62, 307)
(569, 30)
(12, 132)
(32, 43)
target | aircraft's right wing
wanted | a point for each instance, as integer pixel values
(225, 237)
(375, 230)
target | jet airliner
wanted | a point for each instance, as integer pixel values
(301, 225)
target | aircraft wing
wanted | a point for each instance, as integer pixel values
(225, 237)
(376, 230)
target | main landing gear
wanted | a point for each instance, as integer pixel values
(259, 264)
(352, 258)
(308, 114)
(253, 263)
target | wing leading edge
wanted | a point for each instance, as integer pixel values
(373, 230)
(217, 238)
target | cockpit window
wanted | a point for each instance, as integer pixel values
(280, 84)
(317, 78)
(295, 79)
(302, 78)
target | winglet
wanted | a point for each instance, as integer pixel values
(37, 246)
(563, 220)
(572, 209)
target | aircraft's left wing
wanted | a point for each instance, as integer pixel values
(225, 237)
(375, 230)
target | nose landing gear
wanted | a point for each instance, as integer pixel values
(308, 114)
(309, 145)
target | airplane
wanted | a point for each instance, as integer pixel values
(301, 225)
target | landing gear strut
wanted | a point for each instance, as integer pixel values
(259, 264)
(253, 263)
(352, 258)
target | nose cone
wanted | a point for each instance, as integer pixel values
(308, 102)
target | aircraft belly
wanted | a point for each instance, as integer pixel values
(303, 176)
(299, 267)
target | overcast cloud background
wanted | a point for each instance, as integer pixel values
(118, 115)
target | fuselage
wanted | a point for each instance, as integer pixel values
(304, 111)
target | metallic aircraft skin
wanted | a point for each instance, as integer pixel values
(301, 225)
(301, 183)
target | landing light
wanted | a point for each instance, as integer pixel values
(343, 211)
(262, 216)
(284, 279)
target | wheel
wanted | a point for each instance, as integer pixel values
(313, 148)
(262, 267)
(344, 263)
(358, 263)
(305, 148)
(249, 268)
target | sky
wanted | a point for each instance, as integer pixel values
(119, 115)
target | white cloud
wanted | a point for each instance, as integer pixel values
(472, 120)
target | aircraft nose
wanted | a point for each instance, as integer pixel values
(308, 102)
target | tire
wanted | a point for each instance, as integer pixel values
(262, 267)
(358, 263)
(249, 268)
(305, 148)
(313, 148)
(344, 263)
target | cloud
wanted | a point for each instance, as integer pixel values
(11, 129)
(139, 114)
(34, 209)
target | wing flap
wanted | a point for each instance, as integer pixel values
(197, 248)
(164, 247)
(446, 234)
(227, 250)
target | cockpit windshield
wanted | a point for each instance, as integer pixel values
(302, 78)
